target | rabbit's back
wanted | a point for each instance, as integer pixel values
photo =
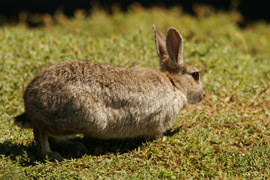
(101, 100)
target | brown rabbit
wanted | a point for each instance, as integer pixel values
(104, 101)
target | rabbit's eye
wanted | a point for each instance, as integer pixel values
(195, 75)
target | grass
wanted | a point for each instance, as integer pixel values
(227, 136)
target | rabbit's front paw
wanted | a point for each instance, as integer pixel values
(156, 137)
(160, 137)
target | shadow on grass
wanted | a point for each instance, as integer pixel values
(98, 147)
(27, 155)
(171, 133)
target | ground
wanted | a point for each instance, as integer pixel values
(224, 137)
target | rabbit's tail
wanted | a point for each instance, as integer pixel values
(23, 121)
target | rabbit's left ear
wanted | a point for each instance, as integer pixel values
(174, 44)
(160, 41)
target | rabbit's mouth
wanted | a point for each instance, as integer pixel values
(195, 98)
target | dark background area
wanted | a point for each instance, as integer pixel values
(13, 11)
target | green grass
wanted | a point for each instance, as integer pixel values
(226, 136)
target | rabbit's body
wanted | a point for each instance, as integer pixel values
(79, 97)
(104, 101)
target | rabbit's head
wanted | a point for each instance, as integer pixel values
(183, 76)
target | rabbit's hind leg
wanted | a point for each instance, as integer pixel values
(41, 138)
(76, 148)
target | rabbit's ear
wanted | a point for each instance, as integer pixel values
(160, 44)
(174, 44)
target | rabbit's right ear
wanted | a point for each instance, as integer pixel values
(174, 43)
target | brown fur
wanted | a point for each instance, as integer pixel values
(104, 101)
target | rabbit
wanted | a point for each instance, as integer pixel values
(105, 101)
